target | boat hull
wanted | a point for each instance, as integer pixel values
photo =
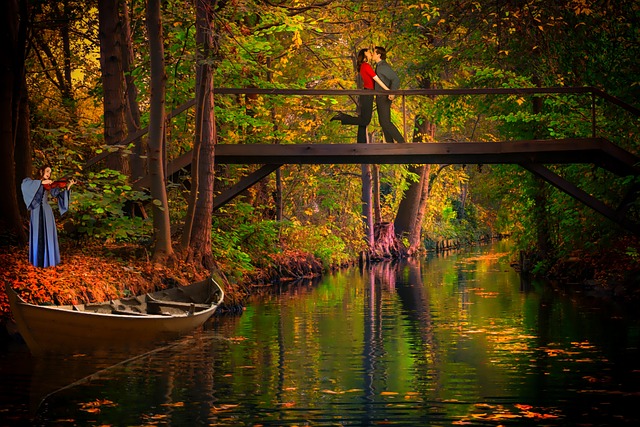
(68, 329)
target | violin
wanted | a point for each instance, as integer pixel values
(59, 183)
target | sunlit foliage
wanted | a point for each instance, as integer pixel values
(297, 44)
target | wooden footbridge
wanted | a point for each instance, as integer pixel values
(532, 155)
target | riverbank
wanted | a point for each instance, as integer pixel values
(610, 272)
(97, 272)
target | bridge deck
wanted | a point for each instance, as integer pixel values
(597, 151)
(587, 150)
(532, 155)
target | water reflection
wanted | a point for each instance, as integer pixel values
(454, 339)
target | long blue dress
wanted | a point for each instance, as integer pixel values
(43, 236)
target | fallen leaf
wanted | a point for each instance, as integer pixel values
(174, 405)
(223, 407)
(523, 407)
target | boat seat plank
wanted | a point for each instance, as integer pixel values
(127, 312)
(177, 304)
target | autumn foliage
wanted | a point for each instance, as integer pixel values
(87, 274)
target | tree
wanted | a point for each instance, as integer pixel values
(197, 232)
(137, 163)
(423, 130)
(11, 114)
(111, 61)
(161, 224)
(52, 40)
(367, 206)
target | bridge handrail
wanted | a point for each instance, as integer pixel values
(403, 92)
(433, 92)
(617, 101)
(459, 91)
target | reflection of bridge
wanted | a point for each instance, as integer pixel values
(530, 154)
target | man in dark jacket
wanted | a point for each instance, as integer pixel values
(383, 102)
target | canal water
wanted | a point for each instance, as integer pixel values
(456, 339)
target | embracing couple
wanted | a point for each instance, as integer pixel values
(382, 78)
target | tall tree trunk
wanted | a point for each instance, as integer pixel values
(132, 116)
(192, 198)
(424, 130)
(22, 125)
(278, 196)
(415, 233)
(278, 193)
(10, 76)
(202, 191)
(541, 217)
(377, 210)
(110, 34)
(161, 224)
(367, 209)
(541, 192)
(408, 221)
(22, 145)
(67, 92)
(408, 209)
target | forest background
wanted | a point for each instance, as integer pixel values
(133, 82)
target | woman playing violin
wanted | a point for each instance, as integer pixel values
(43, 236)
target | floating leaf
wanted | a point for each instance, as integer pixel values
(174, 405)
(224, 407)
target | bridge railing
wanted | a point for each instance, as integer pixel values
(595, 94)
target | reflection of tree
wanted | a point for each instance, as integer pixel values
(414, 297)
(385, 273)
(373, 348)
(390, 277)
(461, 283)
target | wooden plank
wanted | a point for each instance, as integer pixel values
(403, 92)
(242, 185)
(172, 167)
(426, 92)
(582, 150)
(616, 157)
(616, 101)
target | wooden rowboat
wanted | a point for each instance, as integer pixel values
(122, 323)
